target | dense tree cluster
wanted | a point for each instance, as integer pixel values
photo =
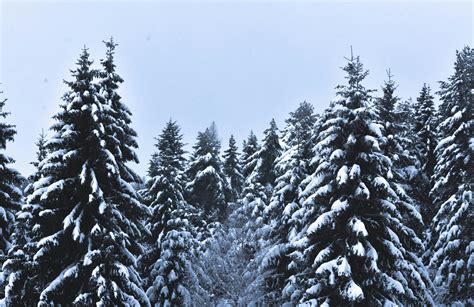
(368, 203)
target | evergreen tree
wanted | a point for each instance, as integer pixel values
(10, 179)
(41, 154)
(425, 144)
(264, 169)
(23, 243)
(396, 145)
(291, 168)
(356, 247)
(41, 149)
(249, 149)
(247, 222)
(207, 188)
(451, 253)
(90, 215)
(232, 169)
(10, 194)
(120, 136)
(167, 259)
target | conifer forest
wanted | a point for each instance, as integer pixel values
(368, 203)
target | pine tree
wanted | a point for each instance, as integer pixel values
(10, 179)
(425, 144)
(23, 240)
(396, 146)
(91, 216)
(166, 261)
(41, 154)
(356, 247)
(264, 169)
(41, 149)
(207, 188)
(10, 194)
(249, 149)
(291, 168)
(232, 169)
(120, 136)
(451, 253)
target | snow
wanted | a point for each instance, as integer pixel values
(375, 129)
(322, 221)
(353, 292)
(358, 227)
(342, 175)
(355, 172)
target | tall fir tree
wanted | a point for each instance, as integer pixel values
(232, 169)
(264, 159)
(120, 136)
(397, 145)
(10, 193)
(249, 149)
(166, 261)
(23, 243)
(10, 181)
(207, 188)
(291, 168)
(91, 216)
(41, 153)
(425, 144)
(451, 245)
(357, 247)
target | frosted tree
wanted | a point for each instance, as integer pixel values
(10, 194)
(232, 169)
(425, 144)
(41, 149)
(249, 149)
(451, 245)
(166, 262)
(264, 159)
(90, 215)
(357, 247)
(425, 118)
(291, 168)
(10, 180)
(120, 136)
(396, 145)
(246, 223)
(23, 240)
(207, 188)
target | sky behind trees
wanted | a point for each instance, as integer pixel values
(239, 64)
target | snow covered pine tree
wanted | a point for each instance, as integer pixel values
(396, 145)
(166, 262)
(357, 247)
(291, 167)
(91, 216)
(247, 160)
(425, 144)
(451, 246)
(232, 169)
(10, 194)
(20, 287)
(10, 180)
(207, 188)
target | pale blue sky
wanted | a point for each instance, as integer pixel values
(239, 64)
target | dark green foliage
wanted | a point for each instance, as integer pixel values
(249, 149)
(207, 188)
(232, 169)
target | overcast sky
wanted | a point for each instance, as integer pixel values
(239, 64)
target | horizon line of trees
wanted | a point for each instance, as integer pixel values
(368, 203)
